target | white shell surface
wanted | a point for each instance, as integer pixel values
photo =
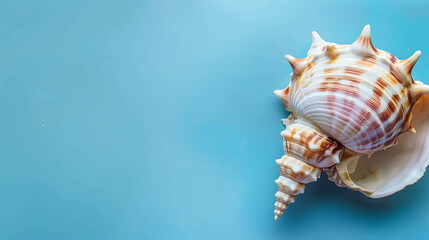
(389, 171)
(289, 186)
(352, 102)
(297, 170)
(356, 94)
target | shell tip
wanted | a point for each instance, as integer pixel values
(408, 64)
(414, 58)
(278, 93)
(363, 44)
(315, 34)
(277, 214)
(290, 59)
(419, 53)
(283, 95)
(367, 30)
(316, 40)
(298, 65)
(366, 33)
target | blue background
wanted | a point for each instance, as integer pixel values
(157, 119)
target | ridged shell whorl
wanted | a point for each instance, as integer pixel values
(356, 94)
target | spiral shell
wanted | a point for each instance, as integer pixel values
(306, 151)
(345, 101)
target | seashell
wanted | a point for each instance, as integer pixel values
(347, 103)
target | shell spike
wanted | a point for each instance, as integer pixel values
(331, 51)
(298, 65)
(407, 65)
(363, 44)
(284, 96)
(281, 94)
(412, 129)
(419, 89)
(316, 40)
(283, 200)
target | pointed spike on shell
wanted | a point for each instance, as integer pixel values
(278, 93)
(284, 96)
(331, 51)
(412, 129)
(419, 89)
(363, 44)
(407, 65)
(316, 40)
(298, 65)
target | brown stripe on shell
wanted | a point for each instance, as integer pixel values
(390, 79)
(333, 84)
(367, 62)
(297, 170)
(343, 110)
(408, 94)
(395, 74)
(393, 59)
(374, 102)
(354, 70)
(311, 146)
(366, 42)
(329, 70)
(394, 107)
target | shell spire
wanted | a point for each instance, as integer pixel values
(302, 161)
(363, 45)
(407, 65)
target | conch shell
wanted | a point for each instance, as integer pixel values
(350, 105)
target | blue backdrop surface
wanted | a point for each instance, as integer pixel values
(157, 119)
